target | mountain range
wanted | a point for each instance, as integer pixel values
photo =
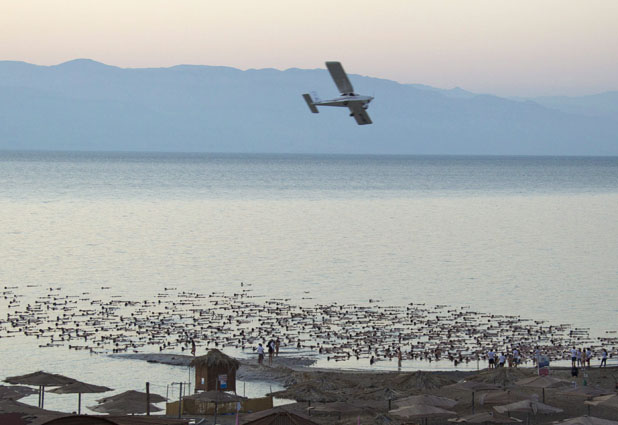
(89, 106)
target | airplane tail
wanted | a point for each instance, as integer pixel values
(310, 103)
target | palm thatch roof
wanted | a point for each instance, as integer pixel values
(16, 392)
(216, 359)
(308, 391)
(80, 387)
(420, 381)
(133, 395)
(501, 376)
(40, 378)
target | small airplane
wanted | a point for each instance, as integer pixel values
(357, 103)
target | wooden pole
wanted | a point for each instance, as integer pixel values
(180, 402)
(79, 403)
(147, 398)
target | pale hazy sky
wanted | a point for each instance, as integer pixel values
(506, 47)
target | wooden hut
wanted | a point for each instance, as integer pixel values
(215, 372)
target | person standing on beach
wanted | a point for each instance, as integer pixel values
(491, 358)
(588, 356)
(515, 357)
(604, 358)
(260, 351)
(573, 357)
(502, 359)
(277, 345)
(271, 351)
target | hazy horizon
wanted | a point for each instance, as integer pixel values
(421, 83)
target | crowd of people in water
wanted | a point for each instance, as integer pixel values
(176, 321)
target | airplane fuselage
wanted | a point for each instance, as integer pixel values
(345, 100)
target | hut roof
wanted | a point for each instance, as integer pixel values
(216, 358)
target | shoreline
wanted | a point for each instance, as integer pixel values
(288, 370)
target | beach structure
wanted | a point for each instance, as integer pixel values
(215, 372)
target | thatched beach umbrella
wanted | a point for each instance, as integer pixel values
(15, 392)
(307, 391)
(527, 407)
(386, 394)
(124, 407)
(431, 400)
(339, 407)
(586, 420)
(276, 416)
(80, 388)
(12, 406)
(541, 382)
(421, 411)
(504, 397)
(474, 387)
(485, 418)
(610, 400)
(42, 380)
(504, 376)
(587, 392)
(420, 381)
(134, 396)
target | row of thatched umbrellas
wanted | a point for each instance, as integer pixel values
(505, 401)
(129, 402)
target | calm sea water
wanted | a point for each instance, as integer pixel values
(536, 237)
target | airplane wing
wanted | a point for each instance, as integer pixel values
(340, 77)
(360, 114)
